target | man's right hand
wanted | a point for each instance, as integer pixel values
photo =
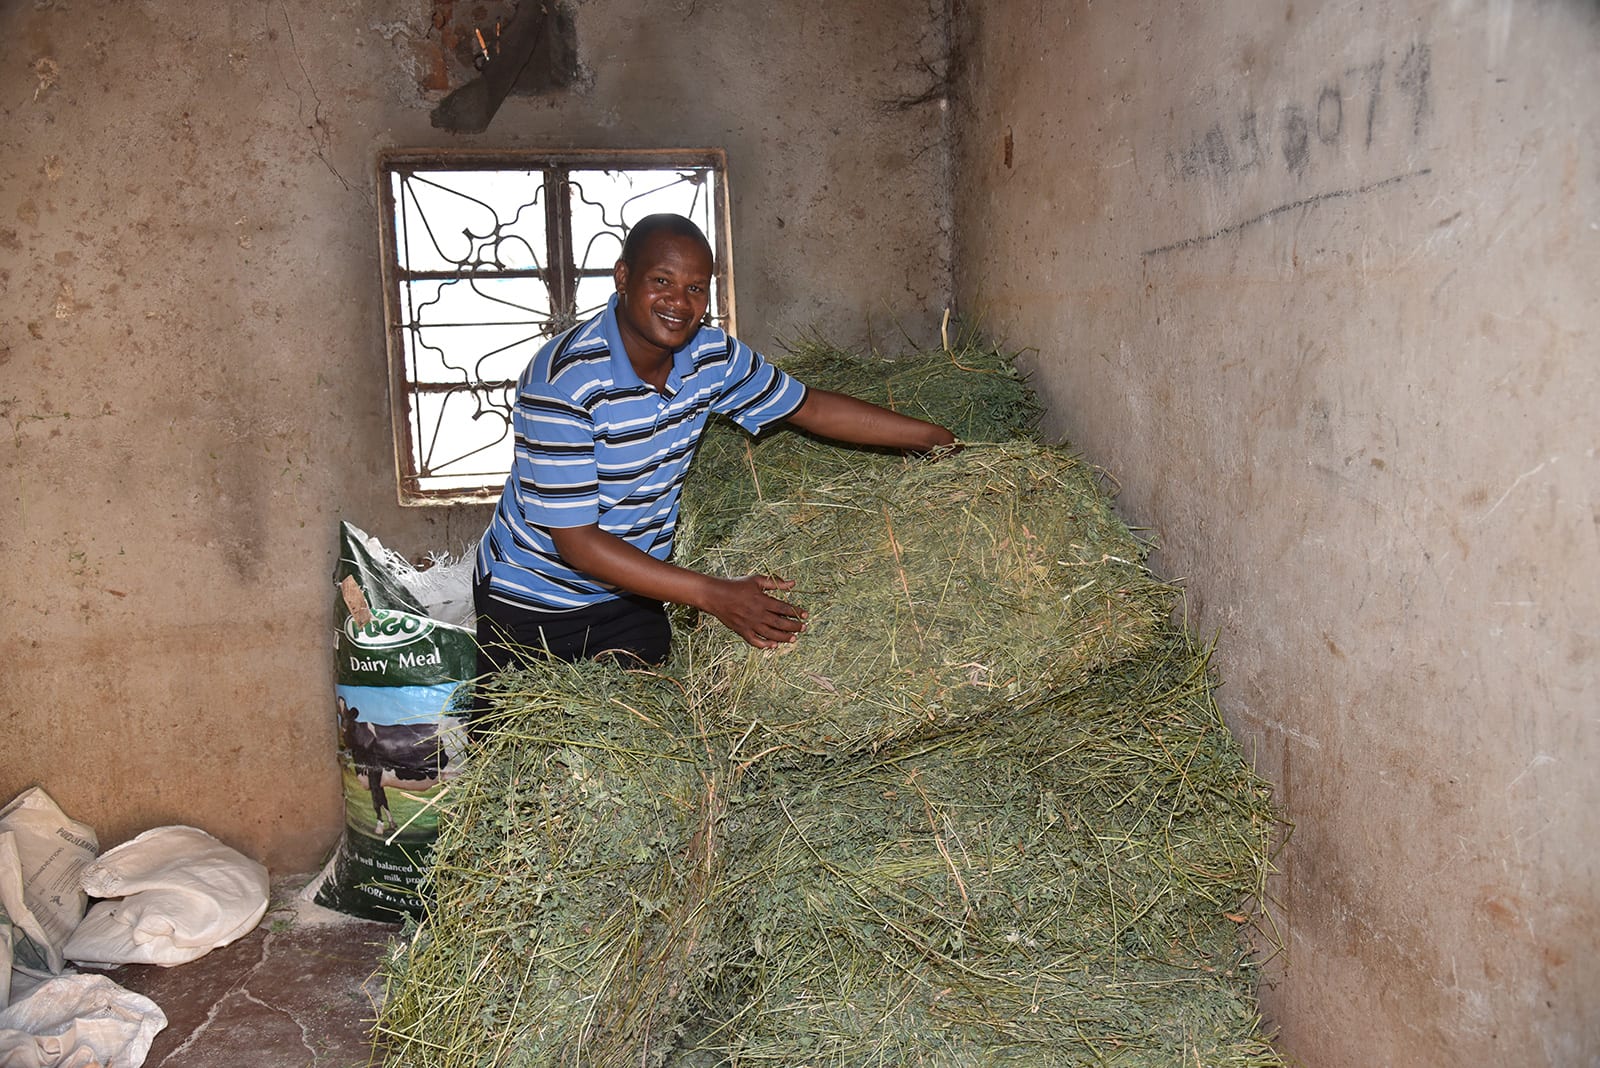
(742, 604)
(744, 607)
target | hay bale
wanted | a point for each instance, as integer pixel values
(938, 592)
(1062, 888)
(972, 388)
(569, 884)
(983, 813)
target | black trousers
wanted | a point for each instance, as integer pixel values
(635, 627)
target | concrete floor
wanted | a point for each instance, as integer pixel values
(297, 992)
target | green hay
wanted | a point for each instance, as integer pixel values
(937, 593)
(973, 389)
(985, 812)
(1060, 889)
(568, 891)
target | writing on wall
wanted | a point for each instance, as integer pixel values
(1363, 105)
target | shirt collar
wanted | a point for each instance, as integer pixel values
(622, 372)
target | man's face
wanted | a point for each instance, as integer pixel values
(664, 297)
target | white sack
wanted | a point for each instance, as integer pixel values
(42, 858)
(443, 586)
(79, 1021)
(182, 894)
(5, 960)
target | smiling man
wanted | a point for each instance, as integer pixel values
(607, 419)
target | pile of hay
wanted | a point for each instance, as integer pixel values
(567, 914)
(983, 813)
(1059, 887)
(972, 388)
(938, 591)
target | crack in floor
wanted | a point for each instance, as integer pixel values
(217, 1005)
(305, 1033)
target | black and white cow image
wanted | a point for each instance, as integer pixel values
(411, 754)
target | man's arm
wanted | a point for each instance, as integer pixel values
(857, 422)
(741, 604)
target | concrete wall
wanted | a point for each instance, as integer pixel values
(1318, 283)
(191, 347)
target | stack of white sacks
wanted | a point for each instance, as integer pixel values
(168, 896)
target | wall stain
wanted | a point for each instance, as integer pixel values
(1303, 202)
(48, 73)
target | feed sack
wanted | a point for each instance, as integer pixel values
(402, 687)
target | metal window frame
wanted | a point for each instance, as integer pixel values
(558, 225)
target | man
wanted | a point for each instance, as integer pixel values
(606, 421)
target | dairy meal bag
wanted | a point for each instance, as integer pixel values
(406, 652)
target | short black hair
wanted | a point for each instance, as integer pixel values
(662, 222)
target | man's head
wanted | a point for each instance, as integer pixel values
(663, 285)
(661, 223)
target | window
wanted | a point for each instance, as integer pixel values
(488, 256)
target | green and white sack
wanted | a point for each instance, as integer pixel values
(406, 652)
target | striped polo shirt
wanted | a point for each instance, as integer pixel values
(594, 443)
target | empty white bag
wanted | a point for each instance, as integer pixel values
(78, 1021)
(181, 893)
(43, 855)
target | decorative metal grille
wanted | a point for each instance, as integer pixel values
(485, 259)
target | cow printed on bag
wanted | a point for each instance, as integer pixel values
(408, 756)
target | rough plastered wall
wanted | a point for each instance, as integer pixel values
(192, 376)
(1317, 283)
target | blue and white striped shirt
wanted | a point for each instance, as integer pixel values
(595, 444)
